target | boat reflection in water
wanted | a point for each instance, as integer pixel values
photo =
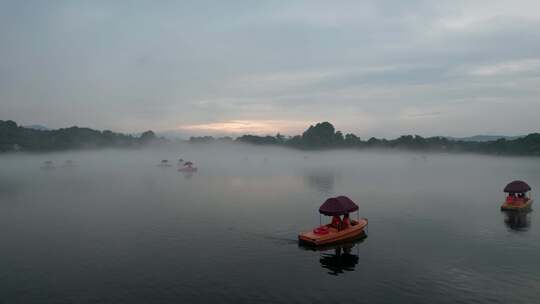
(517, 220)
(339, 258)
(187, 175)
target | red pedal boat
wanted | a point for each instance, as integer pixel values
(340, 229)
(518, 197)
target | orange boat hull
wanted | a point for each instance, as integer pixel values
(513, 207)
(334, 236)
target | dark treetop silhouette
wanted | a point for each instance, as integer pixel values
(17, 138)
(320, 136)
(324, 136)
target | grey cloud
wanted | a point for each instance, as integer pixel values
(138, 65)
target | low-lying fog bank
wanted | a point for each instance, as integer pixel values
(18, 170)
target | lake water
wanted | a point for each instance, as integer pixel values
(116, 228)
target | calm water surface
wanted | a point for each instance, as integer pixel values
(118, 229)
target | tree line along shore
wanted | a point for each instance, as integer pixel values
(317, 137)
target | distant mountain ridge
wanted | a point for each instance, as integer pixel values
(483, 138)
(37, 127)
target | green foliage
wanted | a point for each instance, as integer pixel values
(209, 139)
(258, 140)
(321, 136)
(352, 140)
(324, 136)
(280, 138)
(13, 138)
(201, 139)
(148, 136)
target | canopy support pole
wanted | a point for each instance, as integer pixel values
(320, 221)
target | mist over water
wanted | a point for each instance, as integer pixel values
(115, 227)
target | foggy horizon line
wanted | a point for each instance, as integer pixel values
(180, 134)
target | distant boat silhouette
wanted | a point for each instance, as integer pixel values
(164, 163)
(48, 165)
(188, 167)
(68, 164)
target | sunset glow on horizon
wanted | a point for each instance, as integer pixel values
(238, 127)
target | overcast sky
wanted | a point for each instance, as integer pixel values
(375, 68)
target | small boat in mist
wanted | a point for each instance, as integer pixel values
(340, 229)
(68, 164)
(164, 163)
(188, 167)
(518, 196)
(48, 165)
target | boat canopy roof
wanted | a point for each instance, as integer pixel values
(188, 163)
(338, 206)
(517, 186)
